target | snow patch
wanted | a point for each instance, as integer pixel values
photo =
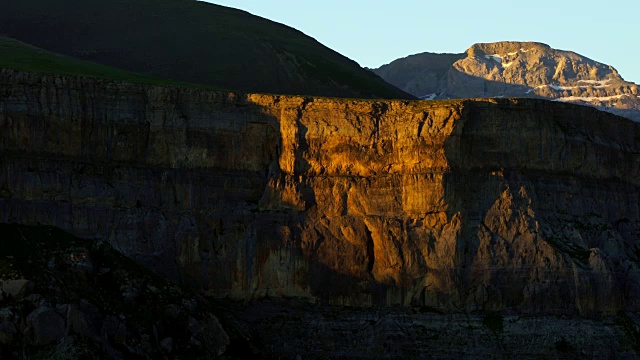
(558, 88)
(495, 57)
(428, 96)
(499, 59)
(554, 87)
(516, 52)
(598, 84)
(591, 99)
(595, 85)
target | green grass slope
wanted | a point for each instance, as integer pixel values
(17, 55)
(191, 41)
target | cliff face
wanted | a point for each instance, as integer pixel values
(518, 205)
(515, 69)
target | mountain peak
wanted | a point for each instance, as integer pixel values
(516, 69)
(531, 64)
(505, 47)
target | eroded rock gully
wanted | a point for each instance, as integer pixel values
(514, 205)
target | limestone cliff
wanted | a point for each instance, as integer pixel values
(521, 205)
(515, 69)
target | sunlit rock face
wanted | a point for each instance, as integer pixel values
(515, 69)
(528, 206)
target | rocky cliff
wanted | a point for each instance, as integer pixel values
(523, 206)
(515, 69)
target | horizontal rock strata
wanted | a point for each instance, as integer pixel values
(505, 204)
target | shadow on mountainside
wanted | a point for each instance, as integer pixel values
(529, 209)
(460, 85)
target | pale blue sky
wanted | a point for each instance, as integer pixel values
(376, 32)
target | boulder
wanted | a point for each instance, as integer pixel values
(36, 300)
(7, 332)
(92, 315)
(209, 334)
(6, 314)
(114, 330)
(77, 323)
(216, 339)
(16, 289)
(46, 326)
(166, 344)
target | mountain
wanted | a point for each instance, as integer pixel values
(515, 69)
(191, 41)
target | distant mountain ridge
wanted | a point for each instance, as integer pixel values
(515, 69)
(194, 42)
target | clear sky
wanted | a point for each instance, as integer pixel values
(376, 32)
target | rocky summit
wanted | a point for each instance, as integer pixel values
(515, 69)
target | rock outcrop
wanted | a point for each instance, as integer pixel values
(116, 310)
(515, 69)
(525, 206)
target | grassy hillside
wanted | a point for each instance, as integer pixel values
(191, 41)
(20, 56)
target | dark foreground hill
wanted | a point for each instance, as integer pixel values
(191, 41)
(62, 297)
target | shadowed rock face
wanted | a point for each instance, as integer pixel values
(404, 333)
(516, 205)
(515, 69)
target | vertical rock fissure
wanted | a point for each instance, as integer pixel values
(378, 109)
(370, 249)
(301, 165)
(425, 117)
